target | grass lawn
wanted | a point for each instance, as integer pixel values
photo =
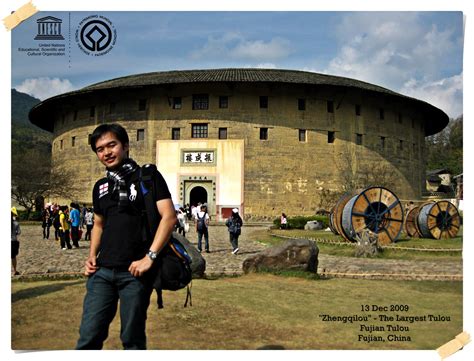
(251, 312)
(347, 249)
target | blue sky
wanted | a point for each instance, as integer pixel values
(418, 54)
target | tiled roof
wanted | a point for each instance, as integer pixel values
(434, 118)
(246, 75)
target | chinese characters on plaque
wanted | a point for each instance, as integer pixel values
(193, 157)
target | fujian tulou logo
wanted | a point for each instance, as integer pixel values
(49, 28)
(96, 35)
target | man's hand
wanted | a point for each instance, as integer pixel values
(138, 268)
(90, 266)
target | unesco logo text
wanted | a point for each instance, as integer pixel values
(96, 35)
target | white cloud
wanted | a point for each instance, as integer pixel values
(266, 66)
(445, 94)
(400, 52)
(43, 88)
(235, 47)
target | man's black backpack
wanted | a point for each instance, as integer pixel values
(201, 222)
(172, 268)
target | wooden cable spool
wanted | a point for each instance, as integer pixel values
(376, 209)
(439, 220)
(410, 226)
(331, 222)
(336, 215)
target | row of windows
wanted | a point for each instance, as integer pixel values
(201, 131)
(201, 102)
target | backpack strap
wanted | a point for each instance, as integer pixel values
(159, 294)
(188, 295)
(147, 187)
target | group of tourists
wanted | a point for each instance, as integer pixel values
(67, 222)
(200, 216)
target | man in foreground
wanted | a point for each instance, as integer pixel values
(119, 256)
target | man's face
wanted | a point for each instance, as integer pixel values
(110, 151)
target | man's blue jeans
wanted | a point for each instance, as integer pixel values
(206, 239)
(104, 288)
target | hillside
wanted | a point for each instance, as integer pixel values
(24, 134)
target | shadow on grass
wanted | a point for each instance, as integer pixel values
(42, 290)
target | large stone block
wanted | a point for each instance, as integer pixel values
(299, 254)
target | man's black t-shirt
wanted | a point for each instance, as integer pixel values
(122, 238)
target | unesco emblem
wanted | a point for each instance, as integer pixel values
(96, 35)
(49, 28)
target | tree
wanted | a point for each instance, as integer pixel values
(444, 149)
(32, 180)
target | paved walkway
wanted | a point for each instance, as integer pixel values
(42, 257)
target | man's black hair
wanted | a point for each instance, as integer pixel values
(116, 129)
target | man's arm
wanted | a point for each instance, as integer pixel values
(162, 235)
(96, 235)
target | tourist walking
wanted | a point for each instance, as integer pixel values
(64, 228)
(47, 221)
(283, 221)
(234, 226)
(182, 224)
(202, 227)
(83, 215)
(56, 224)
(15, 242)
(75, 217)
(120, 258)
(89, 219)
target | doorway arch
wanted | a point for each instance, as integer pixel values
(197, 194)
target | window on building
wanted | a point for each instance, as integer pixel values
(112, 107)
(223, 101)
(92, 112)
(400, 118)
(302, 135)
(330, 106)
(89, 137)
(199, 131)
(263, 133)
(75, 115)
(222, 133)
(73, 141)
(381, 114)
(176, 134)
(200, 102)
(177, 103)
(414, 148)
(331, 137)
(140, 135)
(382, 143)
(142, 104)
(263, 102)
(61, 144)
(301, 104)
(400, 144)
(359, 139)
(357, 109)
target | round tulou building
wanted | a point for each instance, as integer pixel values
(263, 140)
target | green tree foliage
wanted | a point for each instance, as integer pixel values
(31, 155)
(444, 149)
